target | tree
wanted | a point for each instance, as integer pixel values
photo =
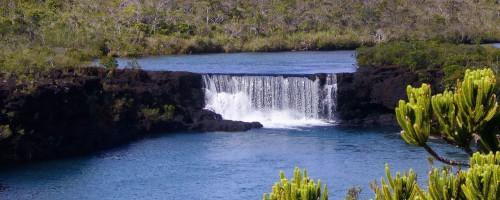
(461, 118)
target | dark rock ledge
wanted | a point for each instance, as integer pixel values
(77, 111)
(370, 95)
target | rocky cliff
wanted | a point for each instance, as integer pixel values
(76, 111)
(370, 95)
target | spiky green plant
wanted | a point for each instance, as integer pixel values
(480, 159)
(445, 186)
(300, 188)
(482, 182)
(413, 115)
(399, 187)
(462, 116)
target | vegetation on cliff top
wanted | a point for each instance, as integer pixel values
(35, 35)
(420, 55)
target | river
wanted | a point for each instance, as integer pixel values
(241, 165)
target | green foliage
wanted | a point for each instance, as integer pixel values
(300, 188)
(476, 104)
(5, 132)
(412, 55)
(413, 117)
(461, 115)
(109, 62)
(151, 114)
(480, 181)
(452, 73)
(445, 186)
(481, 159)
(453, 59)
(399, 187)
(168, 112)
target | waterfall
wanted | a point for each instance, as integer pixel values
(275, 101)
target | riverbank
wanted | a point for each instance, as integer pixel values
(81, 110)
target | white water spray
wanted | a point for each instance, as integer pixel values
(274, 101)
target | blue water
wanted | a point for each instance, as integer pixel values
(220, 165)
(301, 62)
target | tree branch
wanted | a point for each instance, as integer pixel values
(452, 143)
(442, 159)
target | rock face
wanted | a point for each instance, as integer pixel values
(370, 95)
(76, 111)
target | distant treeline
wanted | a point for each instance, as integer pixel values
(36, 34)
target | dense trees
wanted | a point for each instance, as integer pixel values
(36, 34)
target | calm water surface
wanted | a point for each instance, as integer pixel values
(301, 62)
(220, 165)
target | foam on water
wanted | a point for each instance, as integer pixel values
(274, 101)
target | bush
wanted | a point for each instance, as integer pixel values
(481, 181)
(458, 117)
(300, 188)
(453, 59)
(108, 62)
(399, 187)
(5, 132)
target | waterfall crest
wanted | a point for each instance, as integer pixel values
(275, 101)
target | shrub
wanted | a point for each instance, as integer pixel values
(453, 59)
(399, 187)
(458, 117)
(300, 188)
(151, 114)
(445, 186)
(108, 62)
(168, 112)
(5, 132)
(481, 181)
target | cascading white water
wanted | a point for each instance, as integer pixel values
(275, 101)
(329, 98)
